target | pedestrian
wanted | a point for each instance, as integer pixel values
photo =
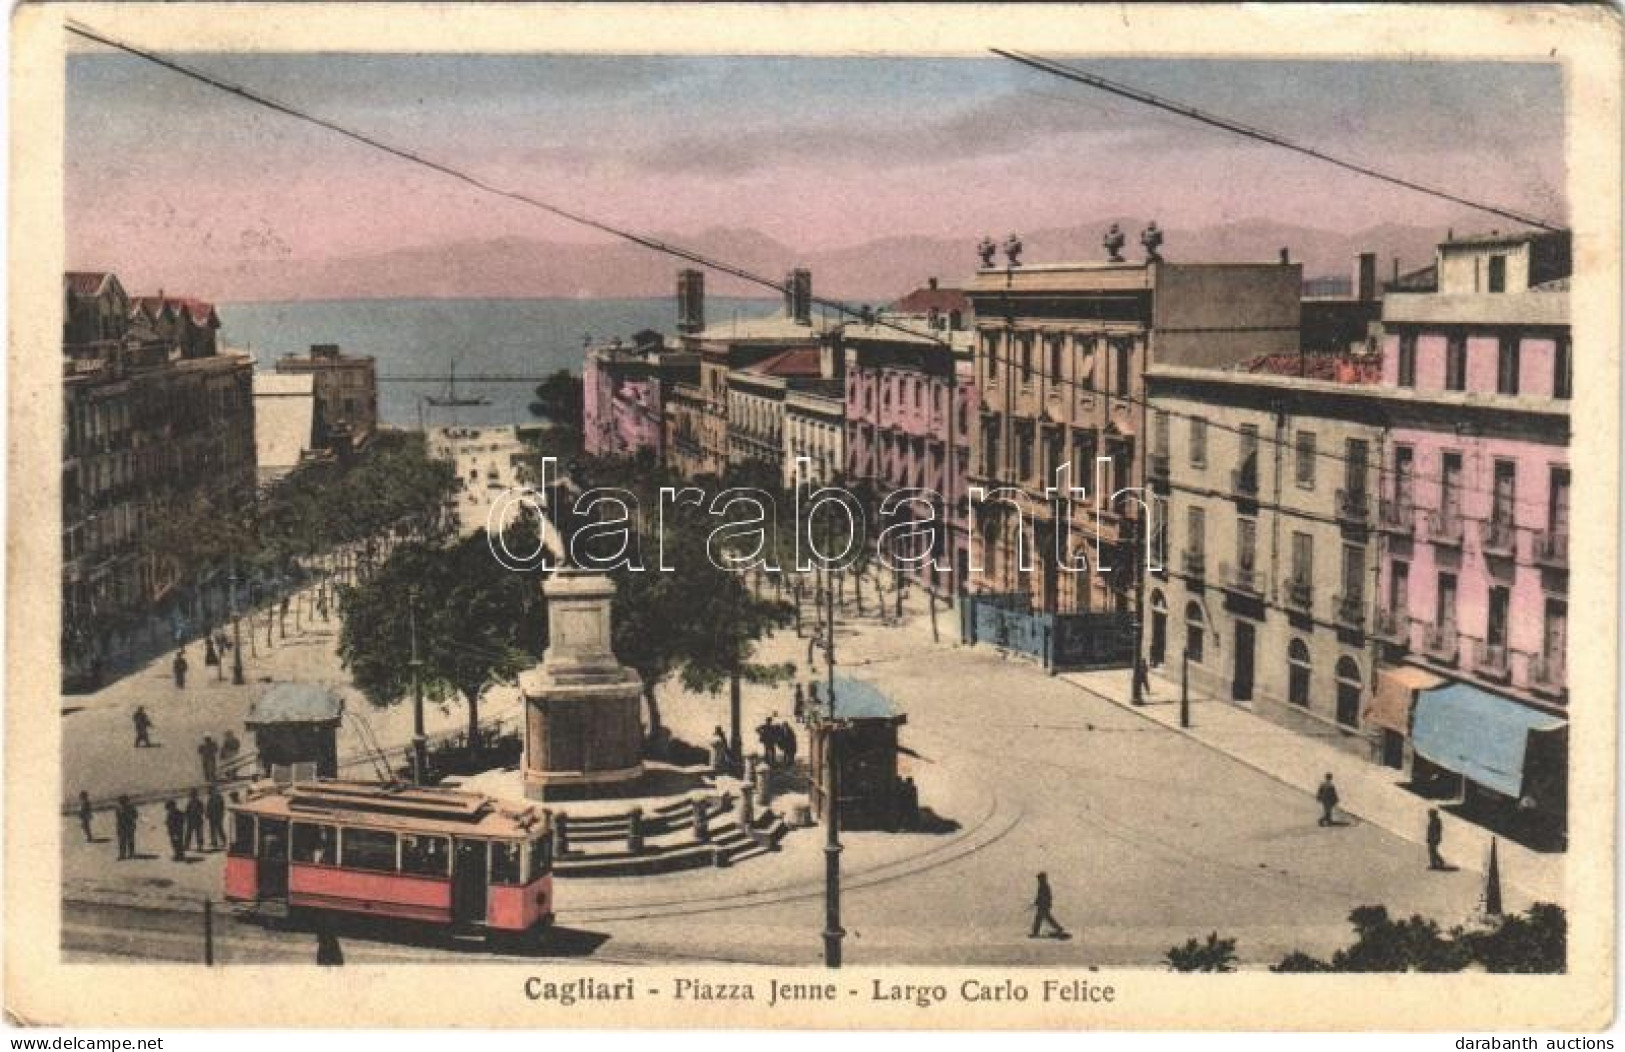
(720, 753)
(1043, 902)
(215, 808)
(211, 657)
(1435, 838)
(209, 753)
(229, 748)
(1142, 677)
(787, 742)
(801, 703)
(124, 821)
(194, 822)
(143, 727)
(85, 813)
(1327, 795)
(179, 668)
(175, 826)
(765, 736)
(221, 642)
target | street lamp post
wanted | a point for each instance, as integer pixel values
(236, 634)
(420, 741)
(833, 932)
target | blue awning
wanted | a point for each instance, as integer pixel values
(1479, 735)
(855, 700)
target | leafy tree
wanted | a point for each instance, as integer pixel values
(1212, 955)
(559, 400)
(1385, 945)
(476, 622)
(1535, 941)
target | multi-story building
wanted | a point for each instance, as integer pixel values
(624, 388)
(756, 396)
(155, 418)
(910, 400)
(346, 396)
(815, 429)
(1060, 358)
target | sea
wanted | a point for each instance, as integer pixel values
(416, 337)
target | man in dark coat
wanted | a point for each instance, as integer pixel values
(85, 814)
(179, 668)
(143, 727)
(1327, 795)
(1435, 838)
(215, 809)
(765, 735)
(1043, 901)
(175, 826)
(124, 820)
(209, 754)
(787, 742)
(194, 822)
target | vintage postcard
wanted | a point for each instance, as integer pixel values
(774, 516)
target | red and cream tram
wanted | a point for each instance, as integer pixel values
(453, 859)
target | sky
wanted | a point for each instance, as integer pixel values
(817, 153)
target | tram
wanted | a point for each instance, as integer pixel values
(458, 861)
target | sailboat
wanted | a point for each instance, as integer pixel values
(451, 397)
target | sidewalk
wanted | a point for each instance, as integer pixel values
(1368, 791)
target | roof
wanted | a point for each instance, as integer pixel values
(797, 362)
(1422, 279)
(201, 311)
(284, 383)
(400, 808)
(773, 327)
(932, 298)
(1336, 368)
(86, 282)
(1511, 237)
(295, 703)
(856, 700)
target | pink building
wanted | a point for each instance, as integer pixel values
(910, 402)
(1474, 506)
(622, 390)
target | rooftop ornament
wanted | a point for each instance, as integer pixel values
(986, 248)
(1113, 244)
(1151, 239)
(1012, 250)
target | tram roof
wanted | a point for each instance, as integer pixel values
(401, 809)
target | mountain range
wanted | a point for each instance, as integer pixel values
(878, 270)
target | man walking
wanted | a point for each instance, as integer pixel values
(787, 742)
(124, 819)
(143, 727)
(1327, 795)
(175, 826)
(194, 822)
(85, 813)
(1435, 838)
(209, 754)
(1042, 904)
(179, 668)
(215, 808)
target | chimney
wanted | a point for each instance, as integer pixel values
(1396, 270)
(798, 296)
(1365, 277)
(1286, 257)
(690, 301)
(932, 283)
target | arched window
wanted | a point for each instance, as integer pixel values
(1297, 659)
(1194, 632)
(1348, 692)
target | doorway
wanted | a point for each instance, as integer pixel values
(272, 869)
(1241, 687)
(468, 881)
(1159, 636)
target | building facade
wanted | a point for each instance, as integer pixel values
(346, 396)
(815, 429)
(624, 390)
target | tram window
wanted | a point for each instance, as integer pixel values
(541, 857)
(425, 856)
(242, 836)
(316, 845)
(504, 862)
(369, 849)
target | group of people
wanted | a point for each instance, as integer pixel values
(185, 825)
(217, 757)
(778, 741)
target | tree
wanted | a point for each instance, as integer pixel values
(476, 622)
(1535, 941)
(1213, 955)
(559, 401)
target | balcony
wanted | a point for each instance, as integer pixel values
(1552, 548)
(1499, 538)
(1396, 516)
(1349, 611)
(1441, 643)
(1244, 480)
(1547, 674)
(1490, 659)
(1300, 594)
(1195, 563)
(1445, 528)
(1391, 626)
(1157, 466)
(1353, 506)
(1242, 579)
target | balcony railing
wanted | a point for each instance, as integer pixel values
(1244, 480)
(1547, 674)
(1300, 593)
(1194, 562)
(1552, 548)
(1353, 505)
(1239, 579)
(1442, 643)
(1349, 610)
(1499, 538)
(1490, 659)
(1445, 527)
(1397, 515)
(1392, 626)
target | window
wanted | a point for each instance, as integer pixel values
(315, 845)
(242, 836)
(1086, 363)
(505, 862)
(369, 849)
(1495, 628)
(1353, 577)
(1125, 365)
(1557, 506)
(1198, 442)
(1303, 558)
(990, 445)
(1083, 459)
(425, 856)
(1246, 543)
(1506, 370)
(540, 858)
(1298, 671)
(1055, 346)
(1498, 273)
(1159, 533)
(1407, 359)
(1445, 608)
(1193, 632)
(1562, 369)
(1054, 451)
(1404, 473)
(1195, 531)
(1450, 488)
(1348, 692)
(1306, 459)
(1160, 433)
(1455, 363)
(1503, 494)
(1026, 342)
(990, 350)
(1399, 588)
(1024, 451)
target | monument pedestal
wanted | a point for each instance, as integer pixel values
(583, 722)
